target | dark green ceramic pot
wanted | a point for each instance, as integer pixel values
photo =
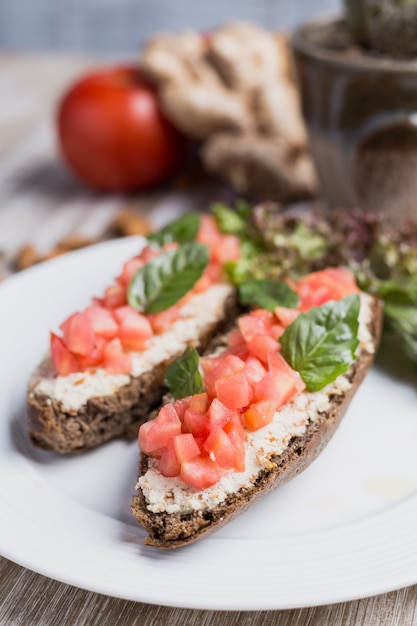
(361, 113)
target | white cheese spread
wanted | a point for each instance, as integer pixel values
(171, 495)
(73, 391)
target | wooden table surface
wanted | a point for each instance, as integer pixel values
(39, 205)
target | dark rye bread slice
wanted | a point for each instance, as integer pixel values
(167, 530)
(100, 419)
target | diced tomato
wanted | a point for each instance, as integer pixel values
(208, 232)
(199, 402)
(225, 452)
(96, 356)
(218, 414)
(186, 447)
(148, 253)
(220, 370)
(234, 391)
(156, 433)
(78, 334)
(261, 345)
(236, 364)
(181, 405)
(236, 341)
(162, 321)
(278, 387)
(196, 423)
(277, 362)
(168, 463)
(276, 331)
(116, 361)
(114, 296)
(200, 472)
(129, 270)
(251, 325)
(319, 287)
(134, 328)
(64, 361)
(286, 316)
(259, 414)
(102, 321)
(226, 249)
(254, 370)
(236, 433)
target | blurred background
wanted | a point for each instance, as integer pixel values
(119, 27)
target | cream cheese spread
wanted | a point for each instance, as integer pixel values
(171, 495)
(73, 391)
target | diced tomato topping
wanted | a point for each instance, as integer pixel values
(261, 345)
(78, 334)
(114, 296)
(155, 434)
(186, 447)
(196, 423)
(96, 356)
(318, 288)
(259, 414)
(278, 387)
(134, 328)
(218, 414)
(162, 321)
(225, 452)
(181, 405)
(254, 370)
(277, 362)
(286, 316)
(102, 321)
(234, 391)
(200, 472)
(116, 361)
(199, 402)
(168, 463)
(64, 361)
(235, 363)
(129, 270)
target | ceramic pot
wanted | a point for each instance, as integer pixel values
(361, 114)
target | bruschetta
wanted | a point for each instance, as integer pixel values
(105, 369)
(268, 401)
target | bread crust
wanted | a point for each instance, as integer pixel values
(167, 531)
(53, 427)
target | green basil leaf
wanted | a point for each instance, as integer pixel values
(320, 344)
(182, 376)
(163, 281)
(267, 294)
(182, 230)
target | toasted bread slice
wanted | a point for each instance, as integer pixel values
(180, 515)
(73, 413)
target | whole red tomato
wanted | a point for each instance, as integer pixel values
(113, 134)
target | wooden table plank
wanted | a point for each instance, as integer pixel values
(40, 202)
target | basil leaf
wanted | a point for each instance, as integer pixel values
(182, 230)
(268, 294)
(320, 344)
(182, 376)
(167, 278)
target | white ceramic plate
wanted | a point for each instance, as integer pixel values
(344, 529)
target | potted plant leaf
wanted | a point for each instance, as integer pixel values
(358, 80)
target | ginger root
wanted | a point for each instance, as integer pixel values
(234, 90)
